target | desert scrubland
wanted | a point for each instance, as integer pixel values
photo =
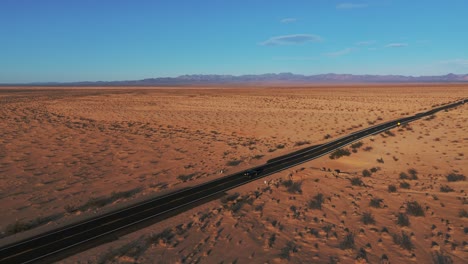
(72, 153)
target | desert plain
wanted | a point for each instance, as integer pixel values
(68, 154)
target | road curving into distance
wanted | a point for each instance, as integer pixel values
(71, 239)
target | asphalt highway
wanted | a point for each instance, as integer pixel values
(74, 238)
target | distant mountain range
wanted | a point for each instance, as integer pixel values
(268, 78)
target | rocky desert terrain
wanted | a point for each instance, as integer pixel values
(400, 197)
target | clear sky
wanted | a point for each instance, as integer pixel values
(77, 40)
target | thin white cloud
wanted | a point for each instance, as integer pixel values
(288, 20)
(339, 52)
(365, 43)
(291, 40)
(351, 6)
(396, 45)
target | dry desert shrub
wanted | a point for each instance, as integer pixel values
(286, 251)
(403, 220)
(453, 177)
(405, 185)
(292, 186)
(367, 218)
(186, 177)
(463, 213)
(339, 153)
(366, 173)
(233, 162)
(356, 181)
(300, 143)
(392, 188)
(375, 202)
(414, 208)
(230, 198)
(446, 188)
(441, 258)
(368, 148)
(316, 202)
(20, 226)
(103, 201)
(348, 241)
(403, 240)
(413, 173)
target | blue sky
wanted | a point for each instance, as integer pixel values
(70, 40)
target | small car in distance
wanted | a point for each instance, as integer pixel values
(252, 173)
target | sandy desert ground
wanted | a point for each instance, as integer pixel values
(68, 154)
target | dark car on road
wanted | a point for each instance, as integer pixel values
(252, 173)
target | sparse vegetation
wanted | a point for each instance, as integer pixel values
(356, 146)
(403, 220)
(271, 240)
(339, 153)
(404, 176)
(348, 241)
(403, 241)
(430, 118)
(453, 177)
(292, 186)
(20, 226)
(300, 143)
(296, 187)
(463, 213)
(164, 237)
(405, 185)
(286, 251)
(257, 157)
(229, 198)
(368, 148)
(233, 163)
(367, 218)
(316, 202)
(413, 173)
(380, 160)
(376, 202)
(441, 258)
(366, 173)
(186, 177)
(392, 188)
(97, 202)
(414, 208)
(356, 181)
(446, 188)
